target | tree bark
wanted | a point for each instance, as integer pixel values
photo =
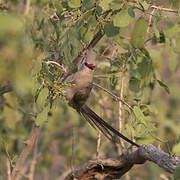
(113, 168)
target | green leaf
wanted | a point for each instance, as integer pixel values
(164, 86)
(82, 31)
(87, 4)
(110, 29)
(42, 116)
(131, 11)
(41, 100)
(122, 19)
(152, 109)
(36, 67)
(138, 35)
(177, 173)
(74, 3)
(120, 41)
(145, 67)
(140, 130)
(139, 115)
(134, 84)
(105, 4)
(89, 34)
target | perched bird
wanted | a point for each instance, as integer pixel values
(78, 94)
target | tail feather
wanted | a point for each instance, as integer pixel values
(104, 127)
(96, 125)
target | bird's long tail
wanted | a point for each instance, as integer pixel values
(97, 122)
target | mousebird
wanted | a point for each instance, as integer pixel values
(78, 93)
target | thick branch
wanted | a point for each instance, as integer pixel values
(161, 158)
(24, 154)
(114, 168)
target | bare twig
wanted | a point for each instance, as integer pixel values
(8, 169)
(113, 95)
(150, 20)
(114, 168)
(24, 170)
(98, 144)
(34, 159)
(163, 177)
(164, 9)
(58, 65)
(24, 154)
(120, 117)
(106, 75)
(27, 7)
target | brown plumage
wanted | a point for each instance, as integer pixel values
(78, 94)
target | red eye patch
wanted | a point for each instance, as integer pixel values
(91, 66)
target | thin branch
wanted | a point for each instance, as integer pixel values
(27, 7)
(105, 76)
(24, 154)
(116, 98)
(114, 168)
(150, 20)
(8, 169)
(98, 144)
(34, 158)
(164, 9)
(58, 65)
(24, 170)
(163, 177)
(120, 116)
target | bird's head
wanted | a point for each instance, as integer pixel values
(90, 60)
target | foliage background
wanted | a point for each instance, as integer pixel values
(130, 62)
